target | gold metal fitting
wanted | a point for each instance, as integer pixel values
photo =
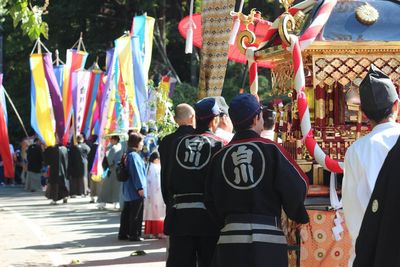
(285, 27)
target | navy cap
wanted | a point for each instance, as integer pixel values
(243, 108)
(377, 91)
(206, 108)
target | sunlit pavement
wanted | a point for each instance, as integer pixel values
(34, 233)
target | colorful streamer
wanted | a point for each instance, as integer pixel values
(109, 92)
(80, 81)
(42, 115)
(140, 79)
(55, 95)
(5, 152)
(75, 60)
(91, 104)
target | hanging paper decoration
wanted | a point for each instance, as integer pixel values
(42, 115)
(5, 152)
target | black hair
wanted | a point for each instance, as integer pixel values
(203, 125)
(143, 131)
(134, 140)
(247, 124)
(378, 115)
(269, 120)
(155, 155)
(115, 137)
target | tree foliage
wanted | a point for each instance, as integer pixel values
(28, 17)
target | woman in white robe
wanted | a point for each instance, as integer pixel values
(154, 207)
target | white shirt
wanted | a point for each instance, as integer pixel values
(362, 164)
(225, 135)
(270, 134)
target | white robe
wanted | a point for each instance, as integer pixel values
(154, 207)
(362, 164)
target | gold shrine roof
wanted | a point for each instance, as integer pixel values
(345, 34)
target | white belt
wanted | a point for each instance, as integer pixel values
(189, 205)
(235, 238)
(240, 239)
(248, 227)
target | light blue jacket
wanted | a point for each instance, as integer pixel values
(137, 177)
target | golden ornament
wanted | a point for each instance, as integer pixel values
(375, 206)
(367, 14)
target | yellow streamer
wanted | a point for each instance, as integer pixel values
(124, 49)
(148, 41)
(43, 105)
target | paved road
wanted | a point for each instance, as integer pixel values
(34, 233)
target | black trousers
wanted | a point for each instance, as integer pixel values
(191, 251)
(131, 219)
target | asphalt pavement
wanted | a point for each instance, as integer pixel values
(35, 233)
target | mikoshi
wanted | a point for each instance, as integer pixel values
(320, 51)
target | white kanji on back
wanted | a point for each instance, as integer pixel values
(193, 147)
(243, 169)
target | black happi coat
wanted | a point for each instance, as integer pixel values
(189, 166)
(166, 149)
(255, 178)
(378, 243)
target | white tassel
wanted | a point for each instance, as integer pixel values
(189, 40)
(234, 32)
(189, 32)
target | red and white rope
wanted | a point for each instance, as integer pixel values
(304, 113)
(253, 73)
(297, 45)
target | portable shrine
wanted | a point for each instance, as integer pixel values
(319, 52)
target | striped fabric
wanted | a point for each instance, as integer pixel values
(216, 25)
(239, 233)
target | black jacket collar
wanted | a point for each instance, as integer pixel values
(246, 134)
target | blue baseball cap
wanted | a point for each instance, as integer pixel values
(244, 107)
(206, 108)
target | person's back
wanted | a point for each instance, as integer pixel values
(249, 183)
(365, 157)
(185, 117)
(35, 158)
(192, 231)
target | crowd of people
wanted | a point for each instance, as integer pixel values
(64, 172)
(217, 185)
